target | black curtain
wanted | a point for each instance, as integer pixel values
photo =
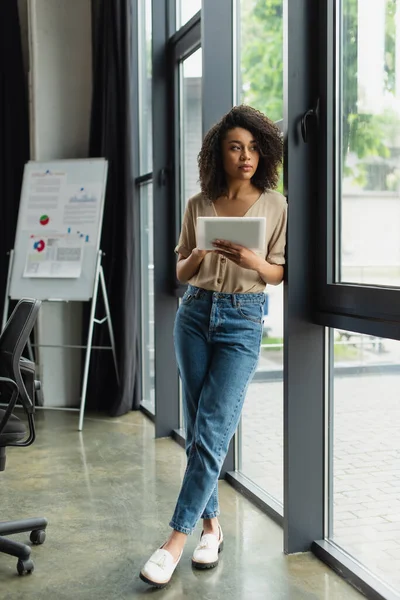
(111, 137)
(14, 131)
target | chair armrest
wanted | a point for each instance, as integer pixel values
(27, 377)
(12, 402)
(27, 393)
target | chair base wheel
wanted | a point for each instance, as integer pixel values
(25, 566)
(38, 537)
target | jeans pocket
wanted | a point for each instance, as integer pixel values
(250, 312)
(187, 298)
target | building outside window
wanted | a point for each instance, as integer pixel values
(260, 76)
(145, 192)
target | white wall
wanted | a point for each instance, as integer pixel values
(61, 86)
(61, 65)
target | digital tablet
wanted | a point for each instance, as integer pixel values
(246, 231)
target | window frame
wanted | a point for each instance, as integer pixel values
(181, 45)
(367, 309)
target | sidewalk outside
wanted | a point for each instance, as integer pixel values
(366, 456)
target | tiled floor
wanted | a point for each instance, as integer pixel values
(108, 494)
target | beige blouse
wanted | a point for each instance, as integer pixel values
(219, 274)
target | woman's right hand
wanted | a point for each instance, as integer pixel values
(187, 267)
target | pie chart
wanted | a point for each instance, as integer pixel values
(39, 246)
(44, 220)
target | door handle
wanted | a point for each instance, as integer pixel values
(312, 113)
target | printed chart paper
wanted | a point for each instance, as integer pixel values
(45, 191)
(61, 219)
(57, 256)
(58, 207)
(81, 211)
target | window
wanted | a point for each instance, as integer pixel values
(360, 250)
(261, 86)
(368, 159)
(147, 298)
(185, 10)
(145, 76)
(191, 124)
(261, 56)
(359, 244)
(365, 451)
(145, 193)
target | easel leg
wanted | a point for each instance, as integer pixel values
(110, 327)
(89, 344)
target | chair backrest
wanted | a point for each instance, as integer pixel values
(13, 340)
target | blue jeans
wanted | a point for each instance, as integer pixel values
(217, 342)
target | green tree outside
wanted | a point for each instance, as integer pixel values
(365, 135)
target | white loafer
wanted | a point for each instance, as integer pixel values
(159, 568)
(206, 553)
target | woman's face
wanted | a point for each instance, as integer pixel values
(240, 155)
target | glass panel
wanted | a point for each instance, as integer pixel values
(191, 124)
(191, 136)
(261, 56)
(145, 80)
(185, 10)
(147, 289)
(261, 432)
(261, 85)
(368, 161)
(365, 460)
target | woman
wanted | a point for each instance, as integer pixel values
(218, 326)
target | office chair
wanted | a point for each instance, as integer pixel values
(17, 383)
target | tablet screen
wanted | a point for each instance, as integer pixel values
(246, 231)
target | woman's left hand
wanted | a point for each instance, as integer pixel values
(240, 255)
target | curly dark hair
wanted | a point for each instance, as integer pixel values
(269, 142)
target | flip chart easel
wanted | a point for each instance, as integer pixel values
(56, 255)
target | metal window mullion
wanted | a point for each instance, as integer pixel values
(304, 426)
(172, 9)
(165, 303)
(218, 77)
(236, 52)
